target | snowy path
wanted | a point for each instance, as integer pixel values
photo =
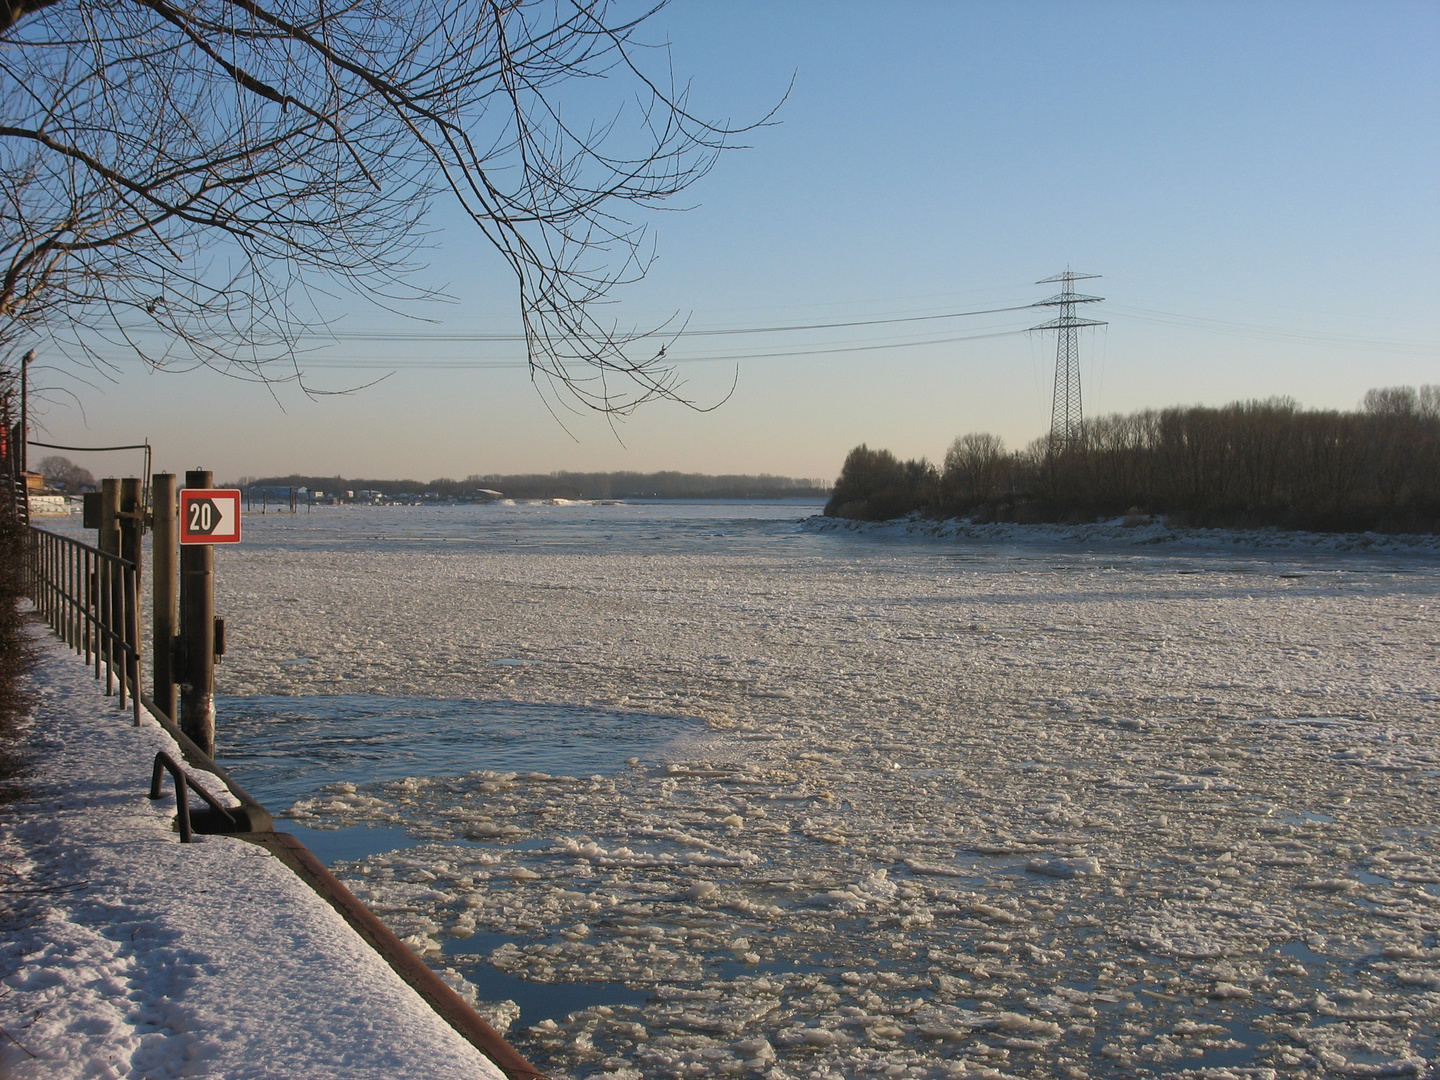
(126, 954)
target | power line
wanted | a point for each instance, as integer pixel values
(443, 335)
(409, 363)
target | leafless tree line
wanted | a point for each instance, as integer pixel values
(195, 182)
(1250, 463)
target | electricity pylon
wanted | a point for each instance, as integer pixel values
(1067, 417)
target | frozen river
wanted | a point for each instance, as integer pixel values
(707, 791)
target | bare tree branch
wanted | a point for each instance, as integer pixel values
(177, 177)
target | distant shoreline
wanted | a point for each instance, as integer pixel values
(572, 486)
(798, 501)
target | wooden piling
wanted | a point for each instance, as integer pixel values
(132, 532)
(165, 586)
(109, 588)
(108, 538)
(197, 634)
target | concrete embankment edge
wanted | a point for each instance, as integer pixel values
(438, 994)
(449, 1005)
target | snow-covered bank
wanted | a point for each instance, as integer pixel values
(1137, 533)
(126, 954)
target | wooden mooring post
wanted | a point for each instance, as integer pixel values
(197, 634)
(164, 547)
(107, 537)
(109, 589)
(132, 532)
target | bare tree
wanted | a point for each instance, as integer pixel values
(63, 473)
(974, 469)
(179, 177)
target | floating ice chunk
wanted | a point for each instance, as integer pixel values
(1407, 977)
(837, 898)
(1020, 1024)
(823, 1037)
(945, 1032)
(876, 889)
(915, 866)
(488, 830)
(989, 911)
(422, 944)
(1065, 868)
(757, 1051)
(1223, 990)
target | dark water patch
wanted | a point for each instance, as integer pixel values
(537, 1000)
(349, 844)
(287, 748)
(1298, 950)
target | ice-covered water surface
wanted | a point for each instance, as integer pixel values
(966, 805)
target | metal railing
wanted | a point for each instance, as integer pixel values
(165, 763)
(91, 599)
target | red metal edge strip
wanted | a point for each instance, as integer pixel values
(440, 996)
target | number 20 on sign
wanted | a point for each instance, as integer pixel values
(210, 516)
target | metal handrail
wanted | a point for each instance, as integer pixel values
(165, 763)
(91, 599)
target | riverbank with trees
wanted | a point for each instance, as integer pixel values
(1249, 464)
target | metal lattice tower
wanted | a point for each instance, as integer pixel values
(1067, 417)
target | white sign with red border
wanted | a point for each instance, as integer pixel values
(210, 516)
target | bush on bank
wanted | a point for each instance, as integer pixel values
(1248, 464)
(875, 485)
(16, 656)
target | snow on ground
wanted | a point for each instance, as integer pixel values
(1140, 530)
(962, 811)
(124, 953)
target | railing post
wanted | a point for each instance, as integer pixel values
(165, 586)
(108, 583)
(132, 655)
(87, 566)
(92, 640)
(197, 634)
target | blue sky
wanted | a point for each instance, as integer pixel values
(1258, 184)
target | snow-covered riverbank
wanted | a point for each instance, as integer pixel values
(1138, 532)
(124, 953)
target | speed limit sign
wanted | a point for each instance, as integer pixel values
(210, 516)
